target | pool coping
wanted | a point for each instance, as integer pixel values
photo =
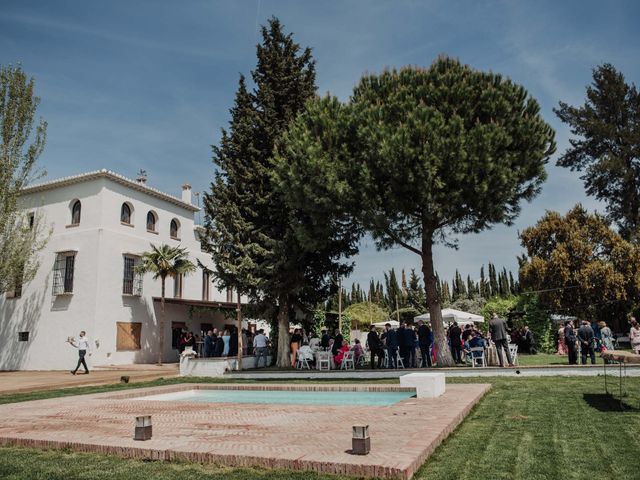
(426, 440)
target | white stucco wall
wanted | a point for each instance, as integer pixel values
(97, 303)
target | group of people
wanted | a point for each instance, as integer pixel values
(304, 346)
(222, 343)
(406, 343)
(590, 338)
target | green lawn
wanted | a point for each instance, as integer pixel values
(525, 428)
(548, 359)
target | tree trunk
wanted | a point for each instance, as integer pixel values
(444, 357)
(284, 353)
(161, 324)
(239, 319)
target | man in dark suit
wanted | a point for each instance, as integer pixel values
(324, 340)
(424, 342)
(233, 343)
(209, 341)
(407, 340)
(498, 329)
(391, 344)
(375, 347)
(587, 340)
(337, 342)
(455, 341)
(570, 342)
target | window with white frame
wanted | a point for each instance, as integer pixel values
(63, 273)
(131, 279)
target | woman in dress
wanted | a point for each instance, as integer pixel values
(296, 340)
(225, 338)
(562, 346)
(634, 336)
(607, 336)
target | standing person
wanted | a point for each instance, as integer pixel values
(634, 335)
(225, 345)
(404, 344)
(233, 342)
(260, 347)
(208, 344)
(607, 337)
(529, 340)
(337, 342)
(587, 339)
(375, 347)
(562, 346)
(570, 341)
(245, 342)
(391, 344)
(294, 344)
(82, 344)
(498, 329)
(324, 340)
(424, 342)
(455, 342)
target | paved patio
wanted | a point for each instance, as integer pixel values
(33, 381)
(303, 437)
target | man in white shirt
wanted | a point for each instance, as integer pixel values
(82, 344)
(260, 347)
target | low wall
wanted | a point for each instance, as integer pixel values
(214, 367)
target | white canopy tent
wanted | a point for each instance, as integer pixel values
(393, 323)
(450, 315)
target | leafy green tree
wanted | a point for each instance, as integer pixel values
(364, 314)
(606, 148)
(427, 152)
(22, 141)
(164, 261)
(579, 264)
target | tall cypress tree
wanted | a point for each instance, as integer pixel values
(259, 243)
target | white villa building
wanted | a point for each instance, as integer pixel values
(100, 224)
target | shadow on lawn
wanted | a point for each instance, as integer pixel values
(605, 402)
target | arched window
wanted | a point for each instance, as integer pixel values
(125, 214)
(75, 213)
(174, 229)
(151, 221)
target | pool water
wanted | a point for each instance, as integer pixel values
(296, 397)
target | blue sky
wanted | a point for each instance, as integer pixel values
(148, 84)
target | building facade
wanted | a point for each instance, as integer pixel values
(101, 222)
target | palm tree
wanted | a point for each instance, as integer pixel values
(165, 261)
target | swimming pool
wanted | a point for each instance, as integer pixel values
(293, 397)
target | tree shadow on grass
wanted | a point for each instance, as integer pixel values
(605, 402)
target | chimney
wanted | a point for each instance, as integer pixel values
(186, 193)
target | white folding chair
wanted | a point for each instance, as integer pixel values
(324, 360)
(302, 363)
(386, 358)
(399, 362)
(347, 361)
(513, 351)
(477, 355)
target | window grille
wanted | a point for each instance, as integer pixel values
(229, 295)
(131, 280)
(63, 271)
(23, 336)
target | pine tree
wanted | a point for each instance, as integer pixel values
(471, 287)
(512, 285)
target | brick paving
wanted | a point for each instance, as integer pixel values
(301, 437)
